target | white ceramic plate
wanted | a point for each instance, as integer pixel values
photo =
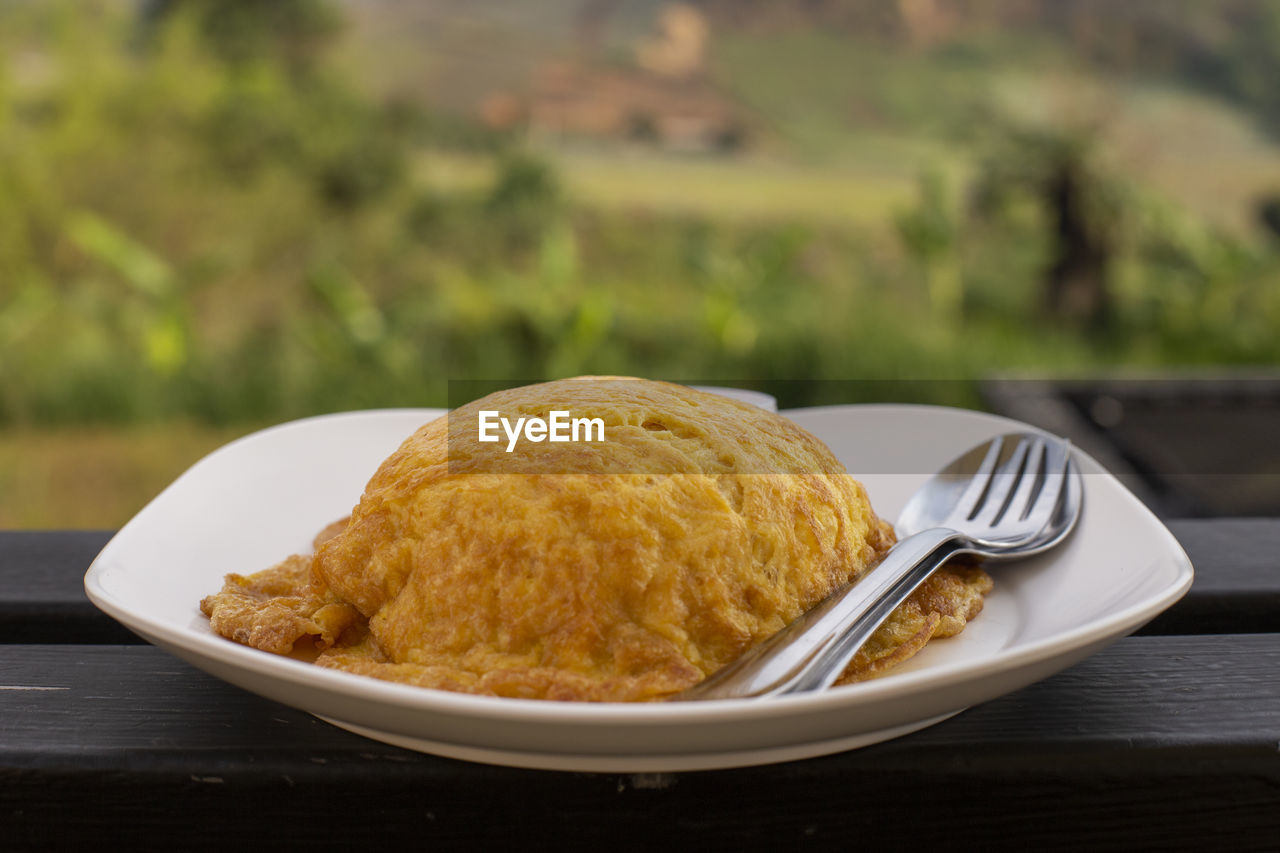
(253, 502)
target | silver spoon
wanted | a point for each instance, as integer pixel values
(1011, 497)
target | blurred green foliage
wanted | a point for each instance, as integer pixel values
(195, 223)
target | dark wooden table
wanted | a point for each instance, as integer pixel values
(1169, 739)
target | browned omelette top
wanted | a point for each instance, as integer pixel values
(624, 569)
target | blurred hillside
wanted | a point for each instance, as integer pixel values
(885, 88)
(1228, 47)
(224, 213)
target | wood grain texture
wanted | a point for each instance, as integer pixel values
(1237, 584)
(47, 565)
(1155, 743)
(1236, 590)
(1160, 742)
(42, 596)
(1147, 694)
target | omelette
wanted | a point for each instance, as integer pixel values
(622, 569)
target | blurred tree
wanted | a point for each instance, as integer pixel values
(1058, 170)
(1077, 281)
(1269, 214)
(526, 199)
(278, 107)
(295, 32)
(524, 182)
(928, 231)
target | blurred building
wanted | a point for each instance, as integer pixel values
(664, 99)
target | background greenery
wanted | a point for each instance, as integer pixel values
(216, 215)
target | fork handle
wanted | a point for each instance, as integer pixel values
(887, 586)
(811, 652)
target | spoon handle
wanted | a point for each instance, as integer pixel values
(811, 652)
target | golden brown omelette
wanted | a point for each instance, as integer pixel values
(616, 570)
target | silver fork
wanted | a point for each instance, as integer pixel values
(1011, 505)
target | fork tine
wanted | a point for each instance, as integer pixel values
(1057, 463)
(1003, 483)
(1029, 486)
(970, 500)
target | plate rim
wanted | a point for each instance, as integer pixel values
(654, 714)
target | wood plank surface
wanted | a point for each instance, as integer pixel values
(1155, 743)
(1236, 590)
(42, 596)
(1148, 694)
(1237, 583)
(1164, 741)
